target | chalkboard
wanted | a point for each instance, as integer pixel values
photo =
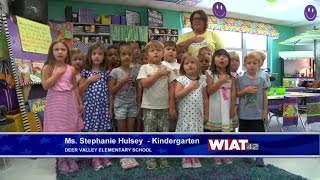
(155, 18)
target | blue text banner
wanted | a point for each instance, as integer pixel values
(159, 145)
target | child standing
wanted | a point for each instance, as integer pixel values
(63, 103)
(253, 106)
(205, 58)
(190, 90)
(123, 87)
(158, 95)
(235, 63)
(136, 55)
(77, 58)
(180, 52)
(94, 86)
(221, 99)
(262, 73)
(113, 57)
(169, 55)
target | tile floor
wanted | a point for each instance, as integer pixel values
(44, 168)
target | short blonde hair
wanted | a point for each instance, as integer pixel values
(153, 44)
(261, 54)
(186, 58)
(253, 55)
(234, 55)
(206, 48)
(76, 52)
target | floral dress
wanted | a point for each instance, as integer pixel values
(96, 115)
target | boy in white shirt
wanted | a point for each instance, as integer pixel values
(158, 101)
(169, 56)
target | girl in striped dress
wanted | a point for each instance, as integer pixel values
(63, 103)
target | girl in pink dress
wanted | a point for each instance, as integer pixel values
(63, 103)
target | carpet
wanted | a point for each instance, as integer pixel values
(236, 171)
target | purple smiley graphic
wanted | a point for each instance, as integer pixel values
(310, 12)
(219, 10)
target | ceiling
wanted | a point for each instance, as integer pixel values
(282, 12)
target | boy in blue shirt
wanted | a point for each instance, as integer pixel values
(253, 100)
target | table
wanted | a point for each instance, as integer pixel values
(293, 94)
(312, 90)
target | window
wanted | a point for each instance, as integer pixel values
(231, 39)
(242, 43)
(253, 41)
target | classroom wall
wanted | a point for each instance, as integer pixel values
(171, 19)
(274, 49)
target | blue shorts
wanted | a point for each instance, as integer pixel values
(124, 109)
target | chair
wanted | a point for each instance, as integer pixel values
(313, 109)
(288, 111)
(275, 107)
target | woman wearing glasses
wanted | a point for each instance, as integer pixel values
(200, 36)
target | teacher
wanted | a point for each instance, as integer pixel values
(200, 37)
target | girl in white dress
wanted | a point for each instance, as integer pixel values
(221, 98)
(190, 91)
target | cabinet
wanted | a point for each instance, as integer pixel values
(162, 34)
(85, 34)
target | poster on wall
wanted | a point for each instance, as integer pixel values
(28, 71)
(35, 37)
(155, 18)
(132, 18)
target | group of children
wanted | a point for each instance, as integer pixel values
(158, 89)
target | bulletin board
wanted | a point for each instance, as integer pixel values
(26, 63)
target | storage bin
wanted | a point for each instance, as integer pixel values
(115, 20)
(123, 20)
(18, 124)
(280, 90)
(105, 20)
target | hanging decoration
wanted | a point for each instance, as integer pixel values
(219, 10)
(310, 13)
(235, 25)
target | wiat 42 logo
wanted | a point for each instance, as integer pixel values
(231, 145)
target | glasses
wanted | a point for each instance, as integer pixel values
(197, 19)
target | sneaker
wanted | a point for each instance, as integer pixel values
(164, 163)
(217, 161)
(259, 162)
(73, 166)
(128, 163)
(62, 166)
(152, 163)
(105, 162)
(196, 163)
(96, 164)
(186, 163)
(227, 160)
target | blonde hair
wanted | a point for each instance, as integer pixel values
(261, 54)
(234, 55)
(153, 44)
(76, 52)
(206, 48)
(253, 55)
(186, 58)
